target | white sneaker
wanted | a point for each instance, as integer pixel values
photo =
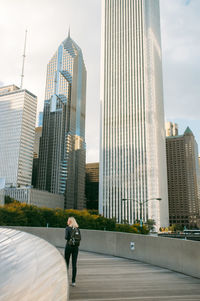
(73, 284)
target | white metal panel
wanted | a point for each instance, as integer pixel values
(30, 268)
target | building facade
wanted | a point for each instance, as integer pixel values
(35, 197)
(92, 185)
(132, 153)
(17, 130)
(183, 179)
(61, 167)
(171, 129)
(38, 135)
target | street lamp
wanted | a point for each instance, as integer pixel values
(126, 216)
(141, 203)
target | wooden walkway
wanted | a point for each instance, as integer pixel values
(107, 278)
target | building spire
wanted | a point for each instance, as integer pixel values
(24, 55)
(69, 32)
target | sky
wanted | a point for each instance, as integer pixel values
(48, 21)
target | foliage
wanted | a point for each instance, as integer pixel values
(8, 199)
(12, 217)
(93, 211)
(126, 228)
(21, 214)
(150, 224)
(172, 229)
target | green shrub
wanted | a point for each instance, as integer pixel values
(12, 217)
(20, 214)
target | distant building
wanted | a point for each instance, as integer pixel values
(2, 196)
(183, 179)
(92, 185)
(62, 145)
(40, 119)
(17, 131)
(171, 129)
(35, 172)
(199, 187)
(38, 135)
(35, 197)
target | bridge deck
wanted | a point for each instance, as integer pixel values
(102, 277)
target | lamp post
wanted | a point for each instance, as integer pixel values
(141, 203)
(123, 211)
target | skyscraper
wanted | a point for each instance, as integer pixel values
(17, 131)
(38, 134)
(62, 145)
(92, 185)
(183, 179)
(171, 129)
(132, 155)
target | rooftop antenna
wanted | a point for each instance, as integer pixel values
(24, 55)
(69, 32)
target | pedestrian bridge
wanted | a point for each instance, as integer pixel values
(136, 267)
(108, 278)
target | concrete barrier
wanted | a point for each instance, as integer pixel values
(175, 254)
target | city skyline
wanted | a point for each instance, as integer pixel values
(180, 30)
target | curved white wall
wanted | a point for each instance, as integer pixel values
(31, 268)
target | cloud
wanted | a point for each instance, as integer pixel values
(187, 2)
(180, 26)
(181, 65)
(48, 21)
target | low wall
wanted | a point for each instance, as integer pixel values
(174, 254)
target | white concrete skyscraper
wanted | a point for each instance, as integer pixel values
(132, 156)
(17, 130)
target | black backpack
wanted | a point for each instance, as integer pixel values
(75, 237)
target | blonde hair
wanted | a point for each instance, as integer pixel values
(73, 222)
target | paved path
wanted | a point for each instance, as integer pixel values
(107, 278)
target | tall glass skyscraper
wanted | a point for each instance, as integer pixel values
(62, 145)
(132, 155)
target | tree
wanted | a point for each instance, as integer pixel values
(150, 224)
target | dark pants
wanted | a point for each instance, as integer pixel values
(74, 252)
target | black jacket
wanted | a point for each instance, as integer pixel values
(68, 231)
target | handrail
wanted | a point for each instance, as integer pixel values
(196, 231)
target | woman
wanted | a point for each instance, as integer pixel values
(73, 237)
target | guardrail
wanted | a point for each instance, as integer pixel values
(186, 234)
(30, 268)
(192, 234)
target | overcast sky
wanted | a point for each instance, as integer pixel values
(47, 22)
